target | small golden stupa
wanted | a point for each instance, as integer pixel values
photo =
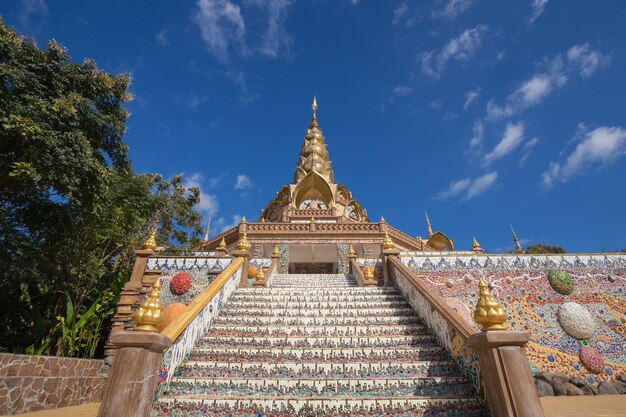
(150, 312)
(488, 314)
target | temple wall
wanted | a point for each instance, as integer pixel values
(31, 383)
(576, 321)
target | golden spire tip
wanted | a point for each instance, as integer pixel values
(150, 244)
(488, 314)
(150, 312)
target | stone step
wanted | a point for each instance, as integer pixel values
(315, 321)
(403, 356)
(320, 342)
(318, 305)
(329, 291)
(317, 381)
(321, 351)
(316, 298)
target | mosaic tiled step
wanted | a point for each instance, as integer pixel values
(326, 371)
(313, 280)
(283, 407)
(316, 321)
(318, 298)
(284, 312)
(319, 305)
(331, 291)
(398, 342)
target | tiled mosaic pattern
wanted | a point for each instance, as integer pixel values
(317, 345)
(31, 383)
(521, 285)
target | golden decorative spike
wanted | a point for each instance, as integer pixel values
(382, 219)
(276, 252)
(151, 242)
(488, 314)
(518, 247)
(387, 242)
(428, 228)
(150, 312)
(222, 244)
(243, 220)
(368, 273)
(314, 106)
(312, 219)
(475, 244)
(243, 242)
(351, 251)
(260, 276)
(313, 154)
(206, 232)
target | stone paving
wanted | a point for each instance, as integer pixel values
(318, 345)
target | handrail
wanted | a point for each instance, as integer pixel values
(180, 323)
(357, 272)
(461, 327)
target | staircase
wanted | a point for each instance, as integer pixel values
(318, 345)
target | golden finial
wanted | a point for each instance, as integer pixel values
(314, 106)
(488, 314)
(260, 276)
(428, 228)
(382, 219)
(243, 242)
(475, 244)
(222, 244)
(276, 252)
(243, 220)
(518, 247)
(151, 242)
(368, 273)
(387, 242)
(150, 312)
(312, 219)
(351, 251)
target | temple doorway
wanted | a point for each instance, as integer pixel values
(312, 259)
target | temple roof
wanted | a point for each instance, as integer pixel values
(313, 154)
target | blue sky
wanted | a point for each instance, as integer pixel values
(484, 113)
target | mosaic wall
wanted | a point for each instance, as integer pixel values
(31, 383)
(343, 266)
(183, 279)
(574, 307)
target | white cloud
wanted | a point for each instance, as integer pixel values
(222, 27)
(195, 100)
(470, 97)
(435, 104)
(538, 6)
(276, 40)
(162, 38)
(208, 202)
(528, 148)
(513, 136)
(399, 91)
(599, 147)
(243, 182)
(32, 12)
(553, 74)
(472, 187)
(451, 9)
(586, 59)
(476, 142)
(481, 184)
(222, 225)
(399, 12)
(460, 48)
(454, 188)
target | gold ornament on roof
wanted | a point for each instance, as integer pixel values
(488, 314)
(260, 276)
(368, 273)
(313, 154)
(150, 312)
(276, 252)
(243, 242)
(243, 220)
(475, 244)
(429, 229)
(387, 242)
(150, 244)
(382, 219)
(312, 219)
(351, 251)
(222, 244)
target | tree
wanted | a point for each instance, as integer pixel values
(72, 210)
(541, 248)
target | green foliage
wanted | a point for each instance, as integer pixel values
(72, 211)
(541, 248)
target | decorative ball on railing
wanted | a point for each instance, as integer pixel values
(150, 244)
(260, 276)
(150, 312)
(170, 312)
(181, 283)
(351, 251)
(243, 242)
(368, 273)
(253, 271)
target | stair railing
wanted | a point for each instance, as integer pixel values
(147, 359)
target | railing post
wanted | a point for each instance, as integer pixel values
(132, 379)
(504, 369)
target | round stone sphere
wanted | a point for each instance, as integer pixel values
(181, 283)
(576, 320)
(591, 359)
(561, 281)
(170, 312)
(252, 271)
(468, 278)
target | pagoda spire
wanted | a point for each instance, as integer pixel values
(207, 231)
(313, 154)
(428, 228)
(518, 247)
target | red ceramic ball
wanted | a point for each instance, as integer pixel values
(181, 283)
(591, 359)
